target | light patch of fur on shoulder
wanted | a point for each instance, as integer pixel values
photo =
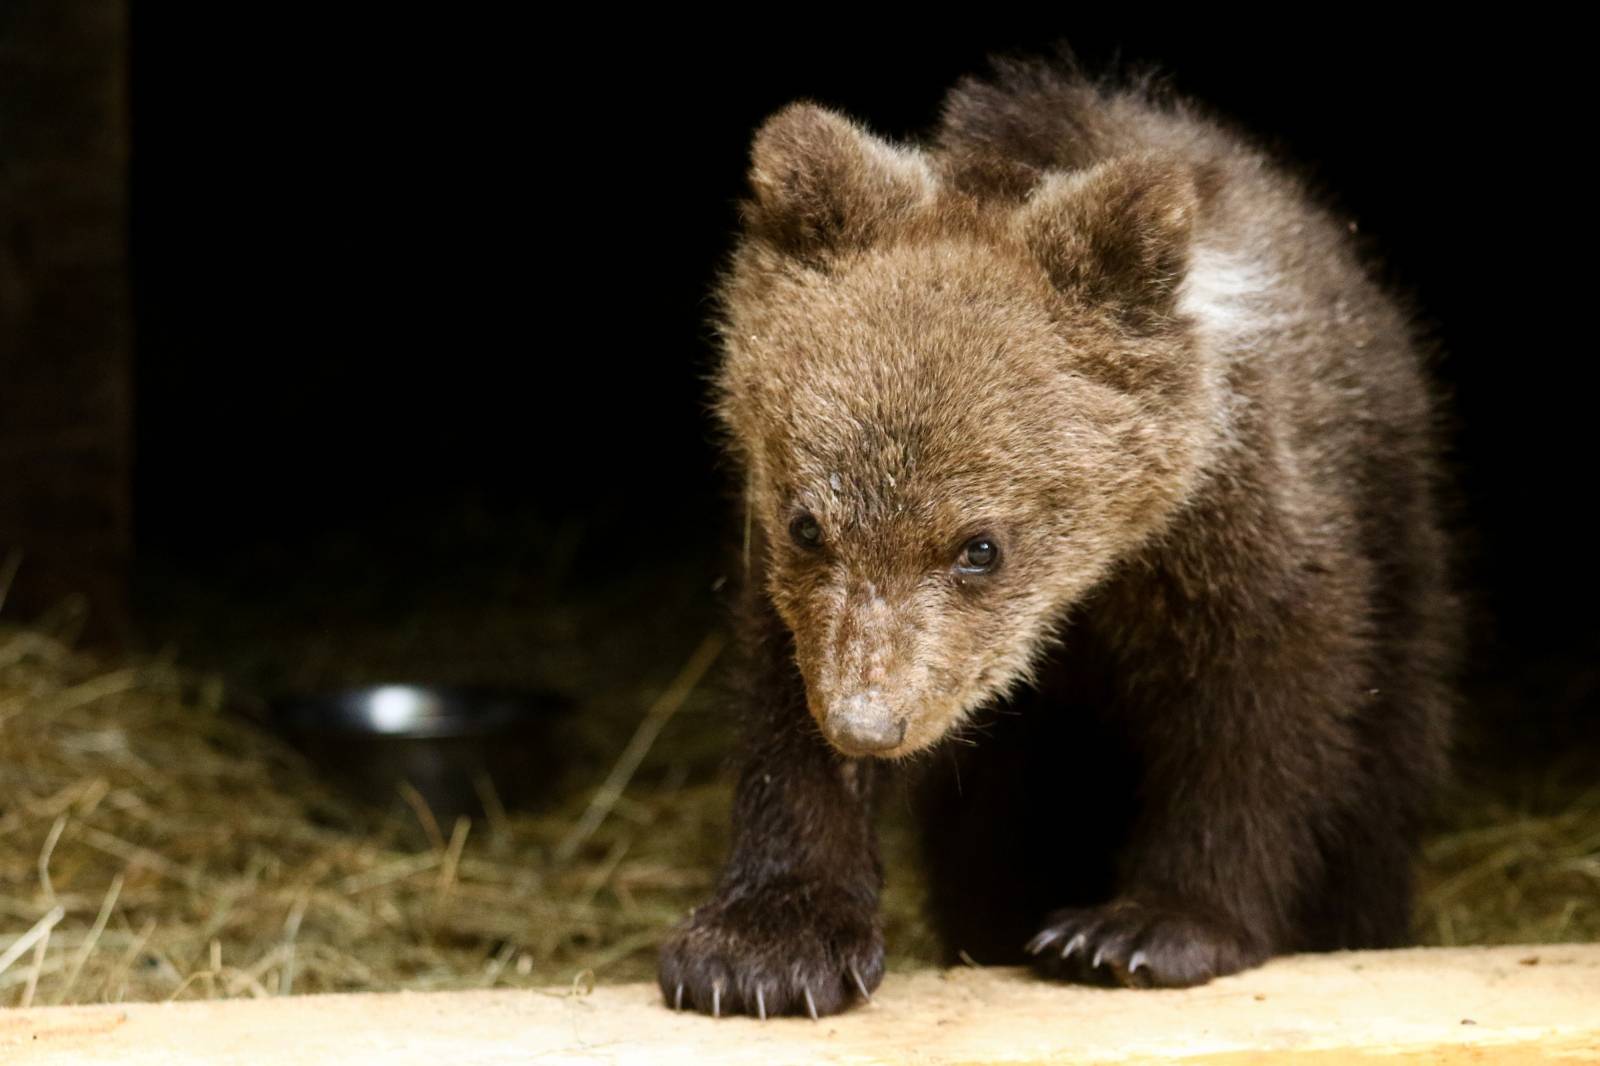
(1225, 294)
(1228, 297)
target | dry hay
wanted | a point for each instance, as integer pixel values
(1517, 871)
(154, 846)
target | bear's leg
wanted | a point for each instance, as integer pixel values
(1364, 900)
(1370, 846)
(1250, 753)
(992, 814)
(792, 927)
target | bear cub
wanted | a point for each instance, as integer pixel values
(1091, 492)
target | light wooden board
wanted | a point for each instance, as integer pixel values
(1478, 1005)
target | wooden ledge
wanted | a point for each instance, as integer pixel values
(1458, 1005)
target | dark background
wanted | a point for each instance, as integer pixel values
(388, 270)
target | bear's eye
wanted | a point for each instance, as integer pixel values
(806, 531)
(980, 554)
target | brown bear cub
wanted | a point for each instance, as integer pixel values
(1090, 478)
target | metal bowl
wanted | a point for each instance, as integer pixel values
(445, 741)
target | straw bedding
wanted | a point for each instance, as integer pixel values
(155, 846)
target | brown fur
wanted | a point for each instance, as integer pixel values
(1207, 678)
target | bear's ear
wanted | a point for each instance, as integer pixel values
(820, 183)
(1117, 235)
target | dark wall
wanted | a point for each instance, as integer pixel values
(404, 261)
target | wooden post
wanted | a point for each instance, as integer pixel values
(1458, 1005)
(65, 367)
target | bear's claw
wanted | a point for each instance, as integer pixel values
(781, 949)
(861, 986)
(1144, 945)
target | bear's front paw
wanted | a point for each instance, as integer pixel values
(777, 949)
(1143, 945)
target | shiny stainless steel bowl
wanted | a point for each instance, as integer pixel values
(445, 741)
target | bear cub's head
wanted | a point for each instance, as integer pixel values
(956, 408)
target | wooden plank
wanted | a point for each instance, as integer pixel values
(1477, 1005)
